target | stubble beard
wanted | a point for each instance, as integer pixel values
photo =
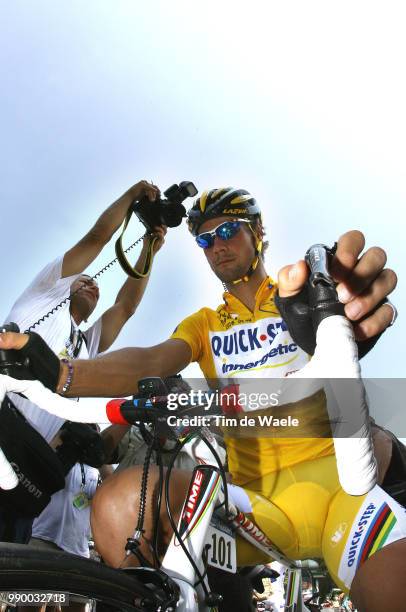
(82, 307)
(228, 276)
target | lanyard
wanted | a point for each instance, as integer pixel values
(82, 469)
(75, 341)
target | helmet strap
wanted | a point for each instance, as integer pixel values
(258, 250)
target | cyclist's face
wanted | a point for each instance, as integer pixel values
(229, 259)
(86, 299)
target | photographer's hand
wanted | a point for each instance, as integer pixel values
(86, 250)
(141, 189)
(159, 233)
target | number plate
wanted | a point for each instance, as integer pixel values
(220, 546)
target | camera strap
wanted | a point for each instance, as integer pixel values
(122, 259)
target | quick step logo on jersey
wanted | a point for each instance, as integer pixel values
(255, 346)
(245, 339)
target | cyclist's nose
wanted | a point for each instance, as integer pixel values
(219, 245)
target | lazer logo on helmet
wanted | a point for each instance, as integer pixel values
(234, 211)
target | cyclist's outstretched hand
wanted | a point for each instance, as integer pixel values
(363, 284)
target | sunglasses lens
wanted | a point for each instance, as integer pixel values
(228, 229)
(225, 231)
(205, 240)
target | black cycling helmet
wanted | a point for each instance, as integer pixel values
(222, 202)
(227, 202)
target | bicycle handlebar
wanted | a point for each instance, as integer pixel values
(317, 258)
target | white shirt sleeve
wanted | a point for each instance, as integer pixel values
(44, 293)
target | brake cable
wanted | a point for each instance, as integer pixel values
(133, 543)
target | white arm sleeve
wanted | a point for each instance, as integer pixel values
(93, 412)
(336, 357)
(8, 477)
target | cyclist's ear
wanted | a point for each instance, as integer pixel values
(292, 278)
(258, 229)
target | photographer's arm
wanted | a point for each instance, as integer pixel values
(87, 249)
(128, 298)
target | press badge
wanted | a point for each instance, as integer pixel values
(81, 501)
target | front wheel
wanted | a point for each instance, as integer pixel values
(28, 569)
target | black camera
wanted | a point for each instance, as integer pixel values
(80, 443)
(169, 211)
(10, 359)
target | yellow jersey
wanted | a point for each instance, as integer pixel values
(232, 343)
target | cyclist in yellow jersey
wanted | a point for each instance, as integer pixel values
(236, 342)
(291, 485)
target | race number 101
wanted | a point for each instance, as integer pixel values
(221, 549)
(34, 598)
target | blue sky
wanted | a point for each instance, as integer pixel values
(301, 103)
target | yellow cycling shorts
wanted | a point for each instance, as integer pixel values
(305, 513)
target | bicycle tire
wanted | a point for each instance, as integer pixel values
(23, 568)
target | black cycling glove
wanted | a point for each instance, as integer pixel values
(35, 361)
(303, 312)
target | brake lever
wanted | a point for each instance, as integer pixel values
(318, 258)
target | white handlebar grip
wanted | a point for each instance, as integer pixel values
(8, 477)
